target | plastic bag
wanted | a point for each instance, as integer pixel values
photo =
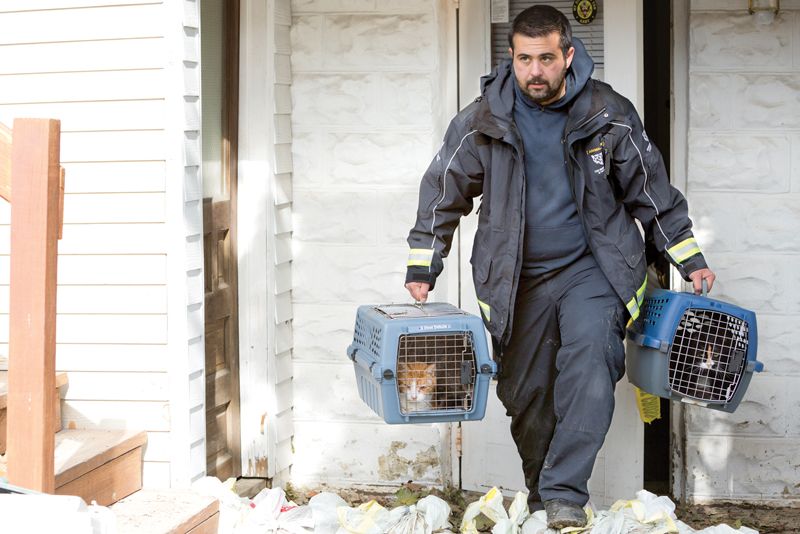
(536, 524)
(650, 508)
(429, 515)
(517, 514)
(272, 513)
(368, 518)
(233, 510)
(323, 506)
(436, 512)
(491, 505)
(649, 406)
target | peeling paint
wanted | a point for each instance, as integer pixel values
(257, 467)
(426, 459)
(392, 466)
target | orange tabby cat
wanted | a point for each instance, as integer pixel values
(416, 383)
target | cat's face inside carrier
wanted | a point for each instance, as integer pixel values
(416, 383)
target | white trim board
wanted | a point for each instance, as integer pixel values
(264, 318)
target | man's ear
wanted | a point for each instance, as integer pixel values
(570, 55)
(511, 52)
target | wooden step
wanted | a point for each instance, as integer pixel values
(61, 380)
(99, 465)
(167, 512)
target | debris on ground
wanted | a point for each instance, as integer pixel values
(416, 510)
(270, 512)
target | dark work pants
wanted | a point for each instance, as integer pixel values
(557, 377)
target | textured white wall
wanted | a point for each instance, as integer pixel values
(367, 95)
(744, 192)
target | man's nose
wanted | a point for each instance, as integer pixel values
(536, 69)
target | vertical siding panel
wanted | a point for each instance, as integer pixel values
(265, 154)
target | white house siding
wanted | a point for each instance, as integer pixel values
(102, 68)
(367, 97)
(744, 191)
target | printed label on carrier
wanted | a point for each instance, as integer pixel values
(430, 327)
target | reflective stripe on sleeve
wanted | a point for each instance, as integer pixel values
(485, 309)
(420, 257)
(684, 250)
(634, 305)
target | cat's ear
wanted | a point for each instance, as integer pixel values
(431, 368)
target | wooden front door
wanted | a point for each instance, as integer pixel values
(219, 60)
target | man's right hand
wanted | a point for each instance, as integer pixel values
(418, 290)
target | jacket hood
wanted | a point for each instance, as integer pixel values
(578, 73)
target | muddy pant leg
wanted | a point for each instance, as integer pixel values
(525, 381)
(589, 363)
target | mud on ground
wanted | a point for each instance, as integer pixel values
(764, 519)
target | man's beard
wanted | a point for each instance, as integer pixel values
(547, 93)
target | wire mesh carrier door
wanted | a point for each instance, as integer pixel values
(694, 349)
(421, 363)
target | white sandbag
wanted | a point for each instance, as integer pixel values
(323, 506)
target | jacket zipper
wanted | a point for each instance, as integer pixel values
(518, 265)
(584, 123)
(574, 164)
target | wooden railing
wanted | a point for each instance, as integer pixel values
(31, 175)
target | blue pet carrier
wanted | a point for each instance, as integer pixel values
(694, 349)
(445, 344)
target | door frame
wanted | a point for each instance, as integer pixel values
(623, 31)
(679, 166)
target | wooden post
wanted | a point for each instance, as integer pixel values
(35, 168)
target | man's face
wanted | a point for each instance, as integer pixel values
(540, 67)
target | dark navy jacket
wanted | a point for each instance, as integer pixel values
(616, 176)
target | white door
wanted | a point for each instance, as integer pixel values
(489, 456)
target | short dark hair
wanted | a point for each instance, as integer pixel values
(540, 21)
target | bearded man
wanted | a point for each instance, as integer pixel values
(564, 168)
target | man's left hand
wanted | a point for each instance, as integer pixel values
(697, 278)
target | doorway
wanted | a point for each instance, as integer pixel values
(657, 25)
(220, 91)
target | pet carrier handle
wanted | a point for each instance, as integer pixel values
(364, 361)
(704, 286)
(647, 341)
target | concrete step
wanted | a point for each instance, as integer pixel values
(167, 512)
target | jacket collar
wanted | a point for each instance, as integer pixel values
(495, 113)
